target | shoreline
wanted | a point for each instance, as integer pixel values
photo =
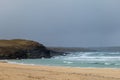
(33, 72)
(6, 61)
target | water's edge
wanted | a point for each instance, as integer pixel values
(77, 59)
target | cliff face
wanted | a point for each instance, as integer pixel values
(18, 48)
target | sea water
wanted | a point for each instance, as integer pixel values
(78, 59)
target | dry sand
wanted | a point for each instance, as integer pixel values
(28, 72)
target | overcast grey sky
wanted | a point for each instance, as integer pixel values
(69, 23)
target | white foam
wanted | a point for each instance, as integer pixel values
(19, 63)
(68, 62)
(107, 63)
(90, 56)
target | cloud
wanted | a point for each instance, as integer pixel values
(62, 22)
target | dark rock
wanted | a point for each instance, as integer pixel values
(19, 49)
(57, 53)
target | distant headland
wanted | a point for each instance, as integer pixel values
(21, 48)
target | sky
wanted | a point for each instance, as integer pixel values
(62, 23)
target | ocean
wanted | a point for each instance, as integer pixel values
(78, 59)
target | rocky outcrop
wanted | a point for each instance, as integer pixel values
(19, 49)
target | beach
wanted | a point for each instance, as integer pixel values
(30, 72)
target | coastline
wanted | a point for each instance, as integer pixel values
(10, 62)
(29, 72)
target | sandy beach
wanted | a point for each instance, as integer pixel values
(29, 72)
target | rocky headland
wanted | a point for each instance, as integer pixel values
(23, 49)
(28, 49)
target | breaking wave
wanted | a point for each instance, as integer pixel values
(79, 59)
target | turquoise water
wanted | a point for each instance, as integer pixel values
(78, 59)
